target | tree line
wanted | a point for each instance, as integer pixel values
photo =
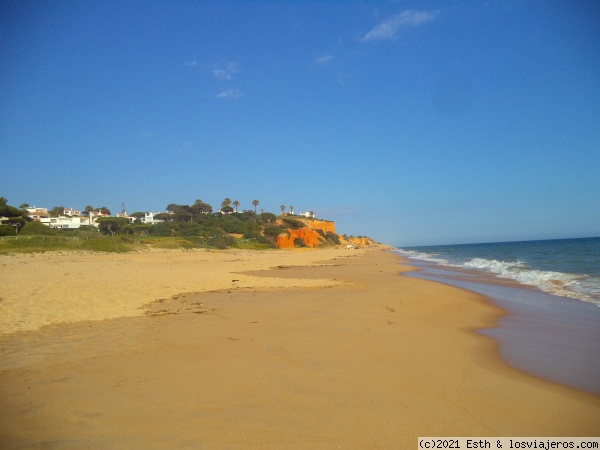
(197, 222)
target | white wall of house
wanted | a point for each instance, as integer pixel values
(39, 217)
(149, 218)
(37, 213)
(61, 222)
(124, 215)
(71, 212)
(37, 210)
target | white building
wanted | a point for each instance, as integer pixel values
(149, 218)
(62, 222)
(70, 212)
(34, 210)
(124, 215)
(37, 213)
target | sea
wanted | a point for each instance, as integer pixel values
(550, 292)
(564, 267)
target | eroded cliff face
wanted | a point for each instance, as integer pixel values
(310, 237)
(321, 225)
(359, 241)
(308, 233)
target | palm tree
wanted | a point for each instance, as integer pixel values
(205, 235)
(292, 210)
(282, 207)
(255, 204)
(236, 204)
(226, 206)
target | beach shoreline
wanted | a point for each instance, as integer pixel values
(319, 348)
(545, 335)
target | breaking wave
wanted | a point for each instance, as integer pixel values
(579, 286)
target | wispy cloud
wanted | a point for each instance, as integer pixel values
(389, 28)
(192, 63)
(230, 94)
(324, 59)
(225, 71)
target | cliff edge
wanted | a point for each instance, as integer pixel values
(316, 233)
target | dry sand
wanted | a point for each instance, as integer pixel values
(47, 288)
(370, 359)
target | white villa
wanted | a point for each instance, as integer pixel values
(64, 222)
(70, 219)
(70, 212)
(38, 213)
(124, 215)
(73, 219)
(149, 219)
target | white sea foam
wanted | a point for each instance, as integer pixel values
(581, 287)
(423, 256)
(557, 283)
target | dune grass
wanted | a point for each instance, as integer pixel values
(37, 244)
(114, 244)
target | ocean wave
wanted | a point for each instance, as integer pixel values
(431, 257)
(581, 287)
(557, 283)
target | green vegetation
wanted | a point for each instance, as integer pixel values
(7, 230)
(36, 244)
(268, 217)
(294, 224)
(112, 225)
(330, 236)
(181, 227)
(36, 228)
(15, 217)
(299, 242)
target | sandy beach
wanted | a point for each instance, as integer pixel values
(325, 348)
(47, 288)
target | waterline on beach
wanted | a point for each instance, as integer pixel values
(563, 267)
(551, 337)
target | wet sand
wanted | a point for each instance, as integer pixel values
(555, 338)
(370, 359)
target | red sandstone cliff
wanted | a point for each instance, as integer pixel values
(310, 237)
(323, 225)
(308, 233)
(359, 241)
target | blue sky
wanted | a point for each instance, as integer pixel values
(423, 122)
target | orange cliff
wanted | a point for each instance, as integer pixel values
(321, 225)
(308, 234)
(310, 238)
(360, 241)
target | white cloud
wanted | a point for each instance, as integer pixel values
(324, 59)
(225, 71)
(229, 93)
(192, 63)
(388, 29)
